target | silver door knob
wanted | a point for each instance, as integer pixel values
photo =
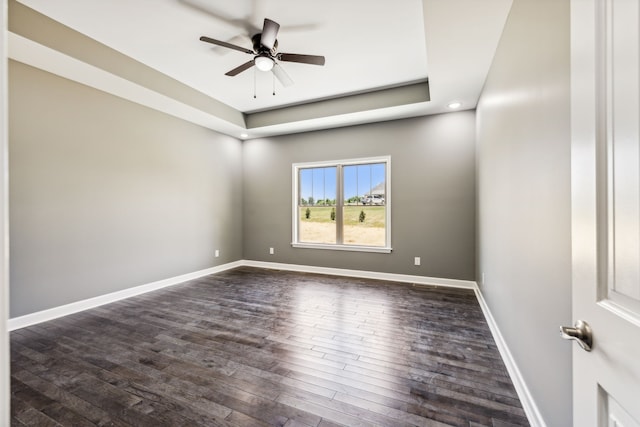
(581, 333)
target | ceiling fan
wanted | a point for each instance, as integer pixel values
(265, 53)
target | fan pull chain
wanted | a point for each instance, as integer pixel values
(254, 84)
(273, 77)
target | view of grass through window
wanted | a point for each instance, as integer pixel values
(359, 218)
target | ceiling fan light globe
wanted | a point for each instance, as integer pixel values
(264, 63)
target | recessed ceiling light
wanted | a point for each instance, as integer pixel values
(244, 135)
(454, 105)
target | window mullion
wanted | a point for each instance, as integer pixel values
(339, 203)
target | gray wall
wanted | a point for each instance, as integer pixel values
(524, 246)
(432, 184)
(106, 194)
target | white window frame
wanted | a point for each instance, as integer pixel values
(339, 204)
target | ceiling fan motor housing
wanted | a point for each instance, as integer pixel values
(259, 48)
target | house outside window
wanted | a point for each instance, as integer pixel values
(343, 205)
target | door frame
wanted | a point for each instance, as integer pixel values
(4, 247)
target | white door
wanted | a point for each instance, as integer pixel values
(605, 87)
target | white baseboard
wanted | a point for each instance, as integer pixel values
(406, 278)
(75, 307)
(528, 403)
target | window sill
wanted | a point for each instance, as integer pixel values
(352, 248)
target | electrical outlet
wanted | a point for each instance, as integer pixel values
(272, 251)
(416, 261)
(217, 254)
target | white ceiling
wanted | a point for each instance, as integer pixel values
(368, 45)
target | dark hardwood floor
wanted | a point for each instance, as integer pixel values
(253, 347)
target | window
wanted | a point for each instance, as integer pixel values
(343, 205)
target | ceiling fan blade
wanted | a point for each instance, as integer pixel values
(305, 59)
(225, 44)
(281, 75)
(269, 33)
(241, 68)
